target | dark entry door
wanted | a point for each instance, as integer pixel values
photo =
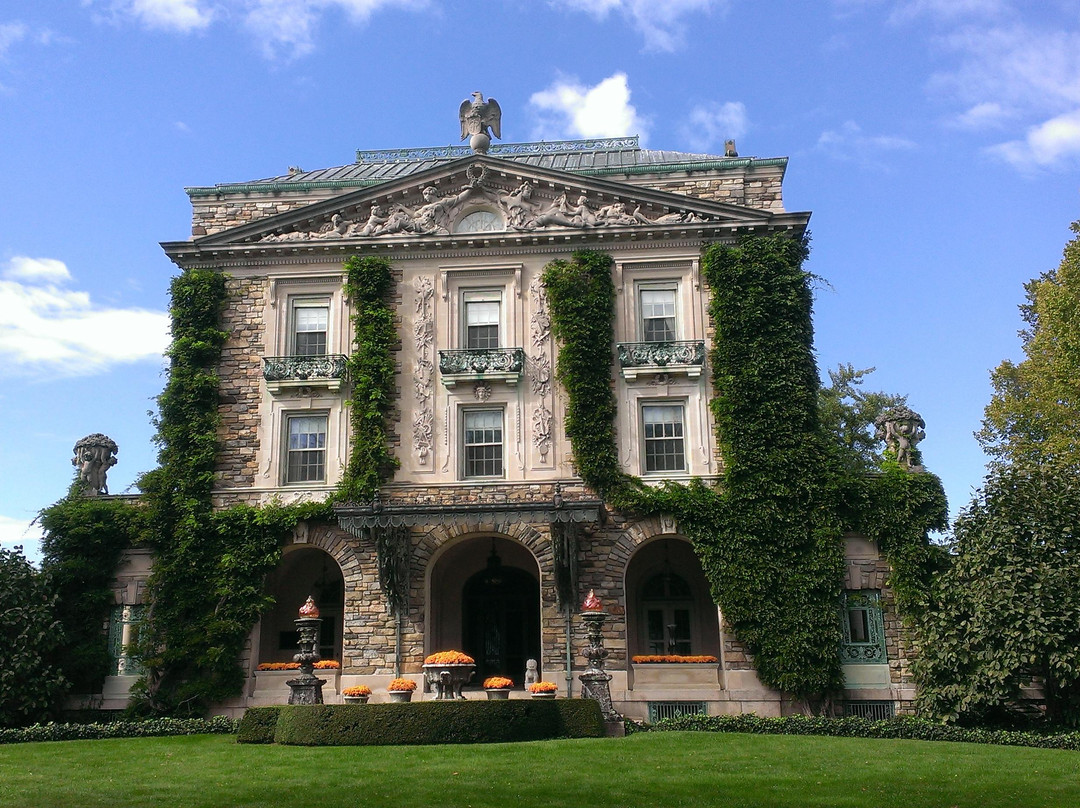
(501, 612)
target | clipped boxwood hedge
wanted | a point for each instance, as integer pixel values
(258, 725)
(151, 728)
(434, 722)
(855, 727)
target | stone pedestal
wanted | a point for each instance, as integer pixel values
(595, 682)
(307, 688)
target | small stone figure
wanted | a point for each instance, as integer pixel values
(93, 459)
(481, 119)
(531, 674)
(902, 428)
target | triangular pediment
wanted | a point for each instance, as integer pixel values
(480, 197)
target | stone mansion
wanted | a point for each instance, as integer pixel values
(485, 539)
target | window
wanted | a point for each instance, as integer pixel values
(306, 449)
(483, 443)
(482, 315)
(310, 323)
(863, 628)
(662, 427)
(124, 622)
(657, 313)
(668, 603)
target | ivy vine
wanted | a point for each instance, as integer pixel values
(371, 373)
(770, 538)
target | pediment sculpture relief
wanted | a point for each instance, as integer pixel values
(480, 208)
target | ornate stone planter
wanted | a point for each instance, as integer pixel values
(446, 681)
(498, 693)
(400, 695)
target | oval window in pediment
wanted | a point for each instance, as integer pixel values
(480, 221)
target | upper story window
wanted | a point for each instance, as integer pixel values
(310, 322)
(305, 449)
(483, 443)
(483, 313)
(663, 433)
(657, 309)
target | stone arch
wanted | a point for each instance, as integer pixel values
(669, 608)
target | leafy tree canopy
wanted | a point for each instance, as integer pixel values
(847, 414)
(1034, 414)
(30, 688)
(1008, 609)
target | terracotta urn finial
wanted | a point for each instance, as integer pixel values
(592, 603)
(309, 609)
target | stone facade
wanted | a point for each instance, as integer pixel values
(493, 562)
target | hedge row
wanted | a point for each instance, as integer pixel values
(218, 725)
(431, 722)
(854, 727)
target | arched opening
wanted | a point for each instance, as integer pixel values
(485, 601)
(669, 609)
(303, 571)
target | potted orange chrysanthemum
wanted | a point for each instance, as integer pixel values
(498, 687)
(401, 689)
(358, 694)
(543, 690)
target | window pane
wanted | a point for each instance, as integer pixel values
(655, 621)
(662, 426)
(658, 315)
(306, 449)
(859, 625)
(310, 324)
(483, 443)
(481, 324)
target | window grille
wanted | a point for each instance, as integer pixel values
(863, 628)
(873, 710)
(659, 710)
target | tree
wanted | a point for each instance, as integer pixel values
(1034, 414)
(1007, 611)
(847, 414)
(30, 688)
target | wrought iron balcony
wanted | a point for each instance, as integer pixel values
(685, 357)
(286, 372)
(487, 364)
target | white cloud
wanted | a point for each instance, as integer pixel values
(21, 533)
(170, 15)
(949, 9)
(1049, 144)
(660, 22)
(981, 116)
(570, 109)
(10, 33)
(849, 142)
(46, 328)
(709, 125)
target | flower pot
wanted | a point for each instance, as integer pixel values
(543, 695)
(355, 699)
(400, 695)
(498, 693)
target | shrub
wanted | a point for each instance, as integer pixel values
(357, 690)
(854, 727)
(402, 684)
(258, 725)
(157, 727)
(543, 687)
(438, 722)
(498, 682)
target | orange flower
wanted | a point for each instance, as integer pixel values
(543, 687)
(321, 665)
(646, 659)
(402, 684)
(498, 683)
(327, 665)
(357, 690)
(449, 658)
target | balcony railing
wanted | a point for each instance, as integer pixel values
(686, 357)
(284, 372)
(488, 364)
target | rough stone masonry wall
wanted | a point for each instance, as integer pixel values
(763, 192)
(212, 216)
(240, 387)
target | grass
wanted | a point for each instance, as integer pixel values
(655, 769)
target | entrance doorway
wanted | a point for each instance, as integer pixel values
(501, 619)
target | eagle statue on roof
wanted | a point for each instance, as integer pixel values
(480, 120)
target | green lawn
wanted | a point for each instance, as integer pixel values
(661, 769)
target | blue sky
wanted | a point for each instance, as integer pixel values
(937, 143)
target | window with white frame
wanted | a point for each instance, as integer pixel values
(482, 316)
(482, 440)
(305, 448)
(309, 324)
(663, 437)
(656, 303)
